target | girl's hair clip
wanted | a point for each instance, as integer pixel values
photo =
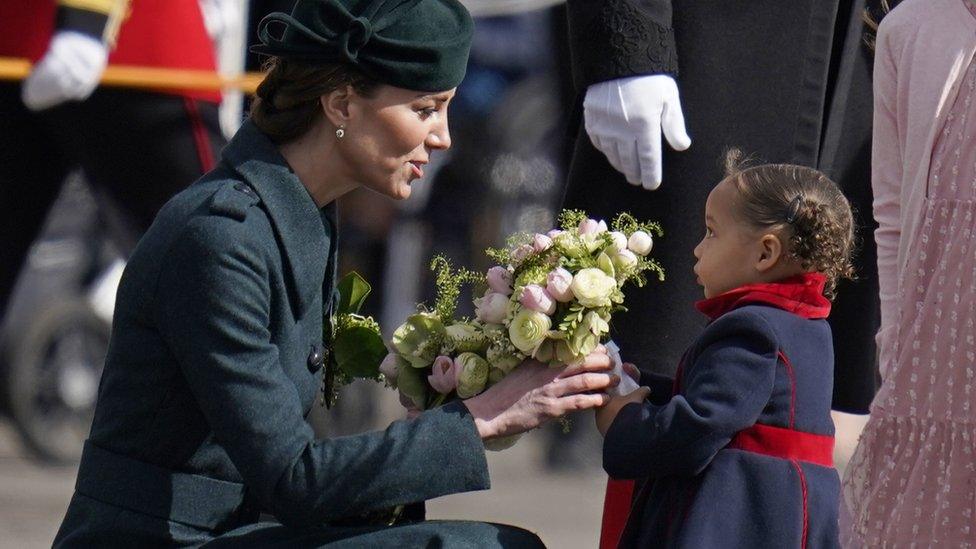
(794, 209)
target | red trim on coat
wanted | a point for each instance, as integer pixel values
(200, 137)
(785, 443)
(801, 295)
(806, 509)
(792, 376)
(616, 510)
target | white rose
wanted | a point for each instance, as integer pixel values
(625, 261)
(592, 287)
(619, 240)
(640, 243)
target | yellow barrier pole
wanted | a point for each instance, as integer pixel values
(153, 78)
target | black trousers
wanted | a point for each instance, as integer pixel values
(136, 148)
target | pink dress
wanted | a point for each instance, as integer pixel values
(912, 479)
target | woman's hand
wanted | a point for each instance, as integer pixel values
(534, 393)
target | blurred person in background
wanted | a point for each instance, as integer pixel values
(136, 148)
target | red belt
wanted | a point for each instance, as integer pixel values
(786, 444)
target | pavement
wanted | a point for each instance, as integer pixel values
(562, 508)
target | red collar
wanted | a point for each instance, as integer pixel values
(801, 295)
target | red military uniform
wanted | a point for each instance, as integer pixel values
(147, 33)
(140, 146)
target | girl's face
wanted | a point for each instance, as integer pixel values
(390, 137)
(729, 253)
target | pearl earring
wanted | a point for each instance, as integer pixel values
(341, 132)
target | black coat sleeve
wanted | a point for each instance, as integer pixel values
(213, 311)
(724, 391)
(617, 38)
(99, 19)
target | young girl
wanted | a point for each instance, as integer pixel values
(741, 454)
(911, 481)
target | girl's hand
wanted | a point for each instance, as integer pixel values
(632, 371)
(606, 414)
(535, 393)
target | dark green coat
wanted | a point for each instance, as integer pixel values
(200, 423)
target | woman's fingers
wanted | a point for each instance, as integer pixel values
(584, 402)
(582, 383)
(597, 361)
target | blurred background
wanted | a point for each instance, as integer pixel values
(505, 173)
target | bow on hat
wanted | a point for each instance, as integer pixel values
(415, 44)
(356, 30)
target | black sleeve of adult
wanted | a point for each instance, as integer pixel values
(88, 22)
(612, 39)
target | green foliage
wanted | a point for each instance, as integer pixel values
(449, 284)
(627, 224)
(353, 291)
(569, 220)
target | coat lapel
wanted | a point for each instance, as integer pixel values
(303, 232)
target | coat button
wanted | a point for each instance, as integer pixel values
(316, 358)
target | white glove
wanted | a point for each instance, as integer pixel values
(625, 118)
(219, 17)
(70, 70)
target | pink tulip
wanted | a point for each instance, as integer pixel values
(592, 226)
(492, 308)
(389, 369)
(536, 297)
(541, 243)
(559, 285)
(500, 280)
(443, 377)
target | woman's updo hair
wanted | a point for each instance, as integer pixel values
(287, 104)
(805, 206)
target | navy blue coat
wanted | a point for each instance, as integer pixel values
(756, 364)
(200, 422)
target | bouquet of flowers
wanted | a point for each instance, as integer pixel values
(550, 298)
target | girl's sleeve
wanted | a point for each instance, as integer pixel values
(213, 312)
(886, 177)
(725, 390)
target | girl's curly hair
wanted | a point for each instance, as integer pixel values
(805, 206)
(286, 105)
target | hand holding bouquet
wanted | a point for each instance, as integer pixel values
(550, 299)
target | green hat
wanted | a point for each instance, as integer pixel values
(414, 44)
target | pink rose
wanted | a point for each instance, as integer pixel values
(500, 280)
(559, 285)
(536, 297)
(443, 377)
(554, 233)
(592, 226)
(541, 243)
(492, 308)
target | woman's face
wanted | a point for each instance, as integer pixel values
(390, 137)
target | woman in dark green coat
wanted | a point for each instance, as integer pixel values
(215, 358)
